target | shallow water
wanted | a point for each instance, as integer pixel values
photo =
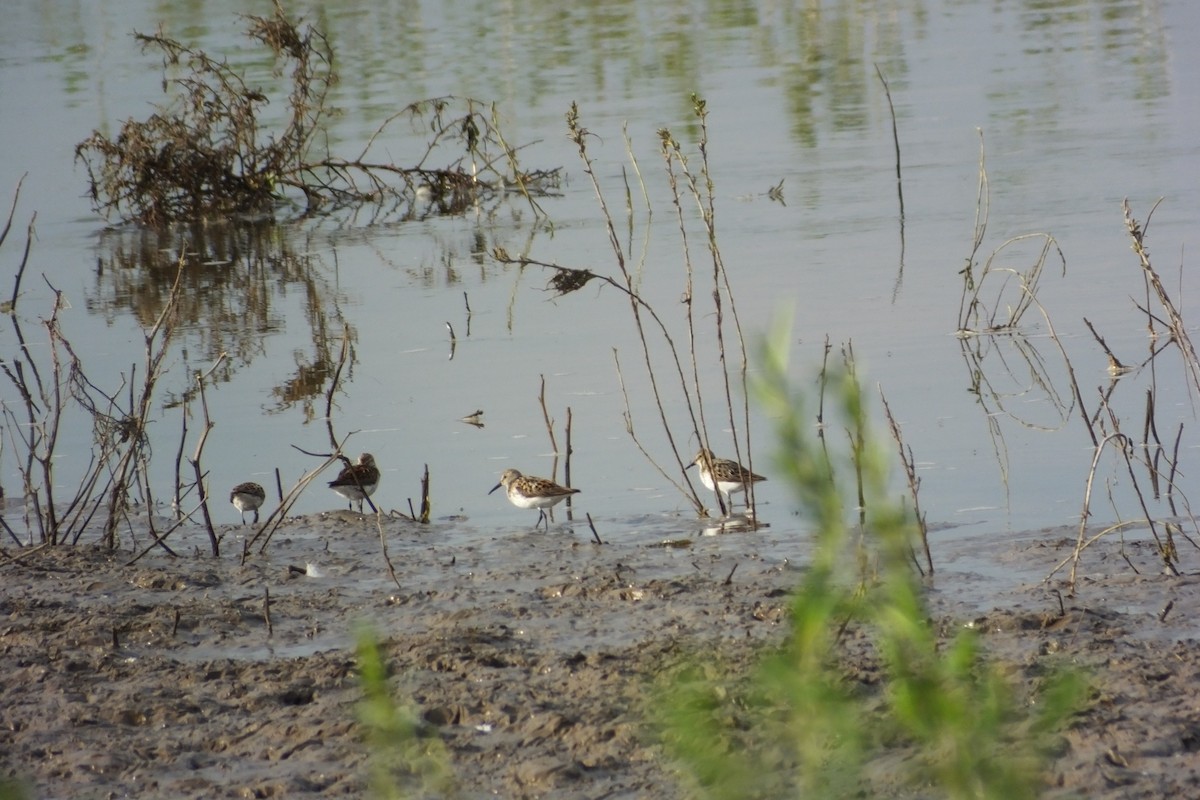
(1080, 104)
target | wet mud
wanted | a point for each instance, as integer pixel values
(530, 657)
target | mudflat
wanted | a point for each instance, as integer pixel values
(529, 656)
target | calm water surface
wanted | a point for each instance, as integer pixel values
(1080, 104)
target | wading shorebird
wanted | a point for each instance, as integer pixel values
(248, 496)
(526, 491)
(726, 476)
(357, 481)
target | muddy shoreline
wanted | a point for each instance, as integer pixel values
(527, 656)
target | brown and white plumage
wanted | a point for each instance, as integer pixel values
(357, 481)
(526, 491)
(726, 476)
(248, 496)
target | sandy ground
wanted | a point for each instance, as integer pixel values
(526, 655)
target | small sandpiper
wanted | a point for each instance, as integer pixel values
(248, 496)
(526, 491)
(730, 476)
(358, 481)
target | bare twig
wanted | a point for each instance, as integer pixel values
(426, 502)
(195, 459)
(914, 482)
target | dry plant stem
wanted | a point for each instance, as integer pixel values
(157, 340)
(160, 540)
(914, 484)
(982, 211)
(1174, 467)
(549, 426)
(195, 459)
(1152, 449)
(11, 533)
(1122, 441)
(337, 454)
(567, 456)
(887, 91)
(510, 155)
(857, 442)
(268, 527)
(1175, 321)
(334, 381)
(672, 154)
(706, 202)
(23, 553)
(12, 212)
(637, 170)
(1084, 544)
(579, 135)
(1076, 391)
(1151, 440)
(426, 502)
(981, 319)
(628, 415)
(39, 411)
(177, 498)
(504, 258)
(823, 383)
(203, 154)
(387, 559)
(1112, 358)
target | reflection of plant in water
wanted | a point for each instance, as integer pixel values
(1006, 372)
(996, 352)
(234, 279)
(207, 155)
(1010, 379)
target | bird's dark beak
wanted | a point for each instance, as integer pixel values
(497, 486)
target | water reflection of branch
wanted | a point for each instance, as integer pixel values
(1025, 369)
(899, 180)
(233, 277)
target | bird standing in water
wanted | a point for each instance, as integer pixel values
(723, 475)
(357, 481)
(526, 491)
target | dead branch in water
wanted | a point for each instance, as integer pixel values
(206, 154)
